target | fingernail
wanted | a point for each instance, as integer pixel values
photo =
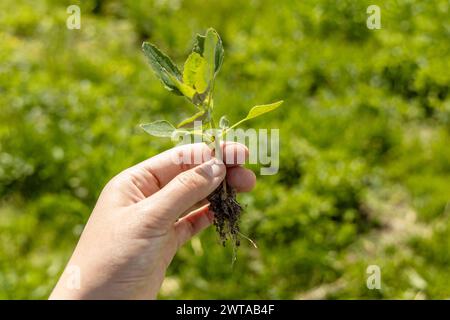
(214, 168)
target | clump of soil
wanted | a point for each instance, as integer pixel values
(227, 212)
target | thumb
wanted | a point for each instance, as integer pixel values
(184, 191)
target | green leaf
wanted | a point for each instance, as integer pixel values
(163, 67)
(159, 128)
(256, 111)
(213, 51)
(194, 72)
(211, 48)
(191, 119)
(163, 128)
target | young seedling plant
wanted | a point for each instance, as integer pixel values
(196, 84)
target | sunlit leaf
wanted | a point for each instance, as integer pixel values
(195, 72)
(211, 48)
(256, 111)
(213, 51)
(159, 128)
(163, 67)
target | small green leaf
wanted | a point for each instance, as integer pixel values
(211, 48)
(194, 72)
(191, 119)
(164, 129)
(159, 128)
(213, 51)
(163, 67)
(256, 111)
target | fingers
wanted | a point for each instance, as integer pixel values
(192, 224)
(242, 179)
(184, 191)
(165, 166)
(234, 154)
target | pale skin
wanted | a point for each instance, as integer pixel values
(143, 216)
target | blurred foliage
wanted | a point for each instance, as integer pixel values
(365, 132)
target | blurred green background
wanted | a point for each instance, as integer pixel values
(365, 135)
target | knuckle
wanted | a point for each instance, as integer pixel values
(116, 182)
(183, 159)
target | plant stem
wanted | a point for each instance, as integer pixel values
(216, 135)
(217, 147)
(212, 124)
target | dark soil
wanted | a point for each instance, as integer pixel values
(227, 212)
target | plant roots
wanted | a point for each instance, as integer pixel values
(227, 212)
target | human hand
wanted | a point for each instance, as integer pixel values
(143, 216)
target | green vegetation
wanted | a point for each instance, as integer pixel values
(365, 131)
